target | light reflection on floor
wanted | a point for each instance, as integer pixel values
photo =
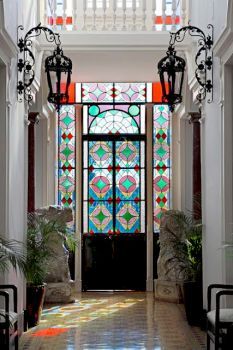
(108, 321)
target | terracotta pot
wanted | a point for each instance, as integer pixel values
(34, 304)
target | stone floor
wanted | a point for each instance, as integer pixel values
(113, 320)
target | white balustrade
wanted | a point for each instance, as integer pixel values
(114, 15)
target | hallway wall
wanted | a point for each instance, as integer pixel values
(13, 157)
(213, 163)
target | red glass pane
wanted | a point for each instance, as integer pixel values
(168, 20)
(71, 92)
(157, 92)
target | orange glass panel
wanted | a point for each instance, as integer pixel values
(156, 92)
(168, 20)
(59, 20)
(71, 91)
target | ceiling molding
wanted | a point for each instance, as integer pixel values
(76, 41)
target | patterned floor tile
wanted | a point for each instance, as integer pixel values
(113, 321)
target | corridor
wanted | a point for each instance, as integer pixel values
(113, 321)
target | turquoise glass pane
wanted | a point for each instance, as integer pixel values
(161, 162)
(100, 217)
(100, 184)
(100, 154)
(66, 157)
(66, 188)
(127, 154)
(128, 217)
(127, 184)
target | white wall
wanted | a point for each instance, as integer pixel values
(213, 192)
(119, 65)
(13, 156)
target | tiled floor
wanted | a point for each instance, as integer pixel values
(120, 321)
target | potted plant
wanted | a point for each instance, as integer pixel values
(11, 254)
(40, 232)
(192, 250)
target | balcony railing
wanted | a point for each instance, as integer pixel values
(113, 15)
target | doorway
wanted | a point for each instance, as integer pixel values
(114, 239)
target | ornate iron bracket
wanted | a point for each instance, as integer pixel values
(203, 58)
(26, 59)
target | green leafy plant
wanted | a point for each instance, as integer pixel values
(192, 230)
(12, 253)
(39, 251)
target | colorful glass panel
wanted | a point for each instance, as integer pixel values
(113, 93)
(114, 172)
(161, 162)
(66, 157)
(114, 119)
(130, 92)
(97, 92)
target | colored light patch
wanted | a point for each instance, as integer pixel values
(81, 319)
(100, 313)
(124, 305)
(49, 332)
(50, 309)
(93, 302)
(74, 308)
(56, 314)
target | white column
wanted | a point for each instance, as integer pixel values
(149, 201)
(54, 13)
(143, 14)
(153, 10)
(114, 7)
(74, 14)
(174, 9)
(164, 6)
(94, 14)
(183, 12)
(124, 14)
(44, 12)
(134, 14)
(104, 7)
(84, 14)
(64, 14)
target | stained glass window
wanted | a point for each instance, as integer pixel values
(114, 169)
(66, 157)
(113, 92)
(161, 162)
(114, 156)
(114, 119)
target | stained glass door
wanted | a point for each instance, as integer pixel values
(114, 214)
(114, 243)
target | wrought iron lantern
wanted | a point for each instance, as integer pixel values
(171, 68)
(58, 67)
(171, 73)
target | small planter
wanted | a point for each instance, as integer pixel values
(193, 302)
(34, 304)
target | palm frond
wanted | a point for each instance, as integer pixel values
(11, 253)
